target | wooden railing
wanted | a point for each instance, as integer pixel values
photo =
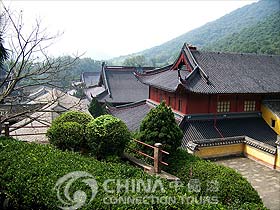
(157, 154)
(8, 129)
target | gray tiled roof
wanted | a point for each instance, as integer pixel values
(132, 114)
(123, 86)
(166, 80)
(273, 105)
(253, 127)
(90, 78)
(215, 72)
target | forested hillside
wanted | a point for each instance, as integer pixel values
(264, 37)
(73, 72)
(67, 74)
(234, 26)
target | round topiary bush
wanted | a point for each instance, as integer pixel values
(74, 116)
(68, 135)
(68, 130)
(107, 136)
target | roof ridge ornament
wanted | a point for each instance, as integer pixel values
(189, 49)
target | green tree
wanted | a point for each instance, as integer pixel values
(159, 126)
(138, 60)
(95, 108)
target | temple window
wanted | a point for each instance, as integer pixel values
(273, 123)
(223, 106)
(249, 106)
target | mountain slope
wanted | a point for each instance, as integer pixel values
(264, 37)
(233, 22)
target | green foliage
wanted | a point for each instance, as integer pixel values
(29, 172)
(263, 37)
(95, 108)
(67, 130)
(233, 190)
(73, 72)
(107, 136)
(68, 135)
(73, 116)
(138, 60)
(159, 126)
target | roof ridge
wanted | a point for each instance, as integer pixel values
(240, 53)
(105, 79)
(154, 71)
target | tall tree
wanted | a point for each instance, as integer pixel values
(95, 108)
(159, 126)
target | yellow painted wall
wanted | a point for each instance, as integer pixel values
(259, 155)
(268, 115)
(220, 151)
(235, 149)
(278, 160)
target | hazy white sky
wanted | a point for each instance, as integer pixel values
(106, 29)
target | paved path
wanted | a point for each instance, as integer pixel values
(265, 180)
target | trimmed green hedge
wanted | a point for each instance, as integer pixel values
(107, 136)
(233, 189)
(29, 172)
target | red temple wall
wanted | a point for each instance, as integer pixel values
(202, 103)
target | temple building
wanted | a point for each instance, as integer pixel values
(116, 85)
(219, 101)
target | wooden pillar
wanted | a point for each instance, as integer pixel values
(7, 129)
(157, 157)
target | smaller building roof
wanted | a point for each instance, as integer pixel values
(131, 114)
(121, 85)
(251, 126)
(37, 123)
(90, 79)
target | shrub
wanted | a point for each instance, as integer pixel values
(68, 135)
(107, 136)
(67, 130)
(29, 172)
(159, 126)
(233, 189)
(95, 108)
(73, 116)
